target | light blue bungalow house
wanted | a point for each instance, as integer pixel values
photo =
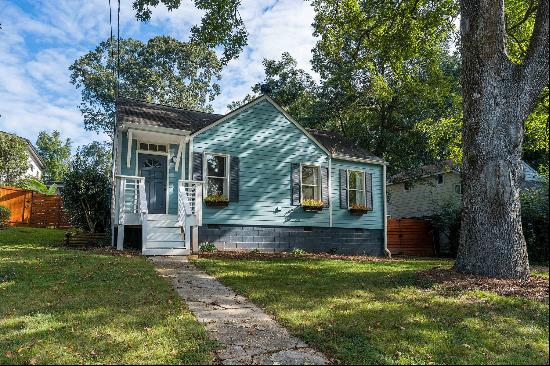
(251, 179)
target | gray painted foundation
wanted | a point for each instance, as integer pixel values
(286, 238)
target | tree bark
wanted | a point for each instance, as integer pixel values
(497, 98)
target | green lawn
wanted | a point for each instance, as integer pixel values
(378, 312)
(67, 306)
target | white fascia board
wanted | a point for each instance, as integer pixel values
(359, 160)
(166, 130)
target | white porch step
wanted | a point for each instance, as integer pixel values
(166, 251)
(156, 217)
(164, 236)
(165, 245)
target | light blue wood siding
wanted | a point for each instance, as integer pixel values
(266, 143)
(173, 176)
(341, 217)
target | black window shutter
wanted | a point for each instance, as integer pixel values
(295, 184)
(368, 188)
(197, 166)
(324, 186)
(234, 179)
(343, 188)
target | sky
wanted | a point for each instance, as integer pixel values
(40, 39)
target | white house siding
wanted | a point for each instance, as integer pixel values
(424, 198)
(34, 167)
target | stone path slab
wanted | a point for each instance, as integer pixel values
(247, 334)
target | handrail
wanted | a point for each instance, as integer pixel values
(191, 181)
(129, 177)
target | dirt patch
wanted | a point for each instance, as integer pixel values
(535, 288)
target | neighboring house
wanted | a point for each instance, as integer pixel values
(434, 187)
(36, 165)
(171, 162)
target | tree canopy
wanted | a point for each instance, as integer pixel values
(221, 24)
(55, 153)
(13, 158)
(163, 70)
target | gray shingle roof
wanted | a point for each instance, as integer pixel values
(341, 145)
(425, 170)
(157, 115)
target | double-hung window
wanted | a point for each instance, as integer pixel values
(356, 187)
(311, 182)
(217, 177)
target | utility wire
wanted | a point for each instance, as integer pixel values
(118, 51)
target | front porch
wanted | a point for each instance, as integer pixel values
(152, 193)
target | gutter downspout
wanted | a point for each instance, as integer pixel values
(386, 250)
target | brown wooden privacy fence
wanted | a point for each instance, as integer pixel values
(410, 237)
(19, 202)
(29, 208)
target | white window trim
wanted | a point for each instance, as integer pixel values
(318, 187)
(205, 172)
(139, 142)
(364, 185)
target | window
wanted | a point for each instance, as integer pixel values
(356, 187)
(311, 182)
(152, 147)
(439, 179)
(217, 182)
(458, 188)
(407, 186)
(151, 163)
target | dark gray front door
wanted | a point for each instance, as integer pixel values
(153, 168)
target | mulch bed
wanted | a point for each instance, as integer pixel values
(288, 255)
(535, 288)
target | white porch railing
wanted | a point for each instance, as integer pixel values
(189, 207)
(190, 202)
(130, 199)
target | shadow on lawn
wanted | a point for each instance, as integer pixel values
(380, 312)
(65, 306)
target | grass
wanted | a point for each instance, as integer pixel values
(378, 313)
(67, 306)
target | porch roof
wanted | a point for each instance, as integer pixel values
(157, 115)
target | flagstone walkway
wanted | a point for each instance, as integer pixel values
(246, 333)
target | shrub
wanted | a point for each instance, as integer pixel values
(37, 185)
(4, 216)
(534, 220)
(87, 189)
(207, 247)
(298, 251)
(447, 222)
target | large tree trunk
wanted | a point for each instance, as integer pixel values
(497, 98)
